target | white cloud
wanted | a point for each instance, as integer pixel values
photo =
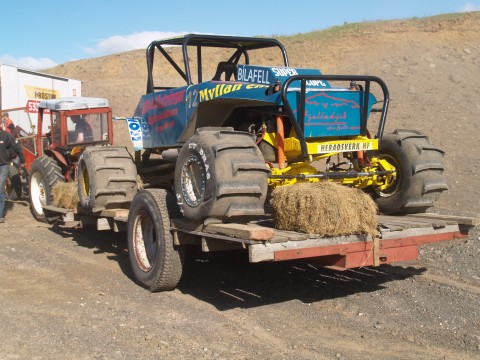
(112, 45)
(470, 7)
(28, 62)
(122, 43)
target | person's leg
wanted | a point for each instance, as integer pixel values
(3, 180)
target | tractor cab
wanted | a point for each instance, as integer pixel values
(73, 123)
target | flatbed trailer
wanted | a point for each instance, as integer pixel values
(398, 239)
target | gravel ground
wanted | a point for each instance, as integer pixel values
(70, 293)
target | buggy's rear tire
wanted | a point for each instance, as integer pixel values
(106, 178)
(156, 262)
(419, 179)
(220, 173)
(44, 174)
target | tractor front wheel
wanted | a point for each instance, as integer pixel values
(106, 178)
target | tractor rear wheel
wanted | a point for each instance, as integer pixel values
(44, 174)
(220, 173)
(156, 262)
(419, 178)
(13, 190)
(106, 178)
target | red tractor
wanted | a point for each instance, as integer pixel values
(78, 143)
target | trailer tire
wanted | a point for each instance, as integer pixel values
(106, 178)
(220, 173)
(419, 180)
(156, 262)
(44, 174)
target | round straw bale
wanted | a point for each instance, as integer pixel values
(65, 195)
(324, 208)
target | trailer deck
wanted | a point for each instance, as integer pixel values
(398, 239)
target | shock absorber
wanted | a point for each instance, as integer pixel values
(280, 143)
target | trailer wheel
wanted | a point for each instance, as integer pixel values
(419, 179)
(106, 178)
(220, 173)
(44, 174)
(156, 262)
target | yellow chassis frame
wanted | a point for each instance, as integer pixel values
(318, 150)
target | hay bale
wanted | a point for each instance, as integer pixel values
(65, 195)
(324, 208)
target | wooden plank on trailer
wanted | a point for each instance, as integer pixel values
(114, 213)
(376, 251)
(103, 224)
(68, 217)
(434, 222)
(405, 221)
(57, 209)
(283, 235)
(413, 232)
(265, 251)
(385, 227)
(241, 231)
(395, 226)
(451, 219)
(409, 222)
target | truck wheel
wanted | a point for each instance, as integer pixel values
(419, 178)
(44, 174)
(220, 173)
(156, 262)
(106, 178)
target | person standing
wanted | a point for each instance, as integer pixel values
(7, 143)
(7, 123)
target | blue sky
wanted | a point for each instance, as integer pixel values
(42, 34)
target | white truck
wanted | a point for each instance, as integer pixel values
(21, 90)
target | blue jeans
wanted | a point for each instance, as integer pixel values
(3, 180)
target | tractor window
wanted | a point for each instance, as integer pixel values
(55, 130)
(87, 128)
(99, 125)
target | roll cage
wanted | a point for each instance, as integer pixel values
(240, 45)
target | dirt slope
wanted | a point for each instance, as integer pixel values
(68, 294)
(431, 66)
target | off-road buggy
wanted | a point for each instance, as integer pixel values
(234, 130)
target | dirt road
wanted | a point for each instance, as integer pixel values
(70, 294)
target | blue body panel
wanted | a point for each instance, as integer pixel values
(163, 117)
(329, 111)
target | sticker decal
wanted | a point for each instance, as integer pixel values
(135, 130)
